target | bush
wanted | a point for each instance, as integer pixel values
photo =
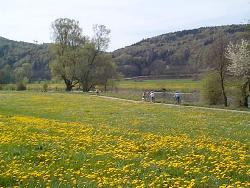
(236, 96)
(45, 87)
(9, 87)
(20, 86)
(211, 89)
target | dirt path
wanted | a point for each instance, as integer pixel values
(180, 106)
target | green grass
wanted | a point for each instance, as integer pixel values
(90, 141)
(95, 110)
(133, 89)
(184, 85)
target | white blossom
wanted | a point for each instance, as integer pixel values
(239, 58)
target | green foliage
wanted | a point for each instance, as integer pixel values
(34, 57)
(45, 87)
(27, 67)
(23, 73)
(219, 61)
(236, 96)
(20, 86)
(68, 39)
(175, 53)
(211, 89)
(79, 61)
(96, 66)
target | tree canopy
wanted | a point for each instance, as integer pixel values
(78, 59)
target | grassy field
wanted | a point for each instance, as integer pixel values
(184, 85)
(77, 140)
(130, 89)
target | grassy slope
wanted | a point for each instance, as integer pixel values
(118, 143)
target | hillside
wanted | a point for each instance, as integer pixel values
(174, 54)
(178, 53)
(13, 54)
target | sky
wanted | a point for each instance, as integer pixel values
(129, 20)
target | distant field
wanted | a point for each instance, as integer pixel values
(183, 85)
(77, 140)
(36, 87)
(133, 89)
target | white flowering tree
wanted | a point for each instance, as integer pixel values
(239, 57)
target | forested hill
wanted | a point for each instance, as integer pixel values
(178, 53)
(14, 54)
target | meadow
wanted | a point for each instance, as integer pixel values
(133, 89)
(78, 140)
(183, 85)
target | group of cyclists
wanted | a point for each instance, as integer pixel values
(150, 96)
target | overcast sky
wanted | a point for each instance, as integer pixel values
(129, 20)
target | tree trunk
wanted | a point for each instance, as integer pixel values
(224, 97)
(85, 86)
(84, 89)
(248, 86)
(223, 88)
(105, 87)
(86, 81)
(248, 95)
(244, 93)
(68, 85)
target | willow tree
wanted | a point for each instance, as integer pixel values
(67, 42)
(93, 57)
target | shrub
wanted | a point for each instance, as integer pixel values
(9, 87)
(211, 90)
(236, 96)
(45, 87)
(20, 86)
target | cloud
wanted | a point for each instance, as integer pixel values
(129, 21)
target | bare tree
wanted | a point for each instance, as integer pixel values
(219, 61)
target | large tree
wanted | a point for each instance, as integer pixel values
(27, 67)
(68, 40)
(93, 55)
(105, 71)
(217, 59)
(78, 59)
(239, 57)
(6, 75)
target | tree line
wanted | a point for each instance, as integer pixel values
(176, 53)
(182, 52)
(19, 58)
